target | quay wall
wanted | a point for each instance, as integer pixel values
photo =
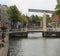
(4, 50)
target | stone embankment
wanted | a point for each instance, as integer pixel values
(4, 49)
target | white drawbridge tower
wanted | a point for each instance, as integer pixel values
(44, 16)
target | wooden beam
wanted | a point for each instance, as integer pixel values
(38, 10)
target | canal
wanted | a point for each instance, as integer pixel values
(34, 45)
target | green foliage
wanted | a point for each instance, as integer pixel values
(14, 14)
(35, 18)
(48, 18)
(32, 18)
(57, 12)
(24, 19)
(57, 9)
(57, 6)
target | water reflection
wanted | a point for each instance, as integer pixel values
(15, 47)
(57, 49)
(34, 47)
(35, 35)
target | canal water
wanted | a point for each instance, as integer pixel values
(34, 45)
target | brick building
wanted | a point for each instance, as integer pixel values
(55, 21)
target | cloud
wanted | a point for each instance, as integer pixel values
(24, 5)
(4, 2)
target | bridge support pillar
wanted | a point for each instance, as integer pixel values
(44, 25)
(44, 22)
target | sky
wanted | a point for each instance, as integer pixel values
(24, 5)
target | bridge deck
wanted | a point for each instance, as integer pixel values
(30, 31)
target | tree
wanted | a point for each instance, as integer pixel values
(40, 18)
(14, 14)
(35, 18)
(57, 9)
(24, 19)
(48, 20)
(32, 18)
(58, 4)
(57, 12)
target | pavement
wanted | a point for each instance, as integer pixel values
(4, 50)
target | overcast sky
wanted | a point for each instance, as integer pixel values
(24, 5)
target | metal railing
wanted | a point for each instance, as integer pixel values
(26, 29)
(17, 30)
(53, 29)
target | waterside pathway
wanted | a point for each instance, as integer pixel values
(4, 50)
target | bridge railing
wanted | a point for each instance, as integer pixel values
(26, 29)
(53, 29)
(21, 29)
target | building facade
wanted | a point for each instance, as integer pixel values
(55, 21)
(3, 15)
